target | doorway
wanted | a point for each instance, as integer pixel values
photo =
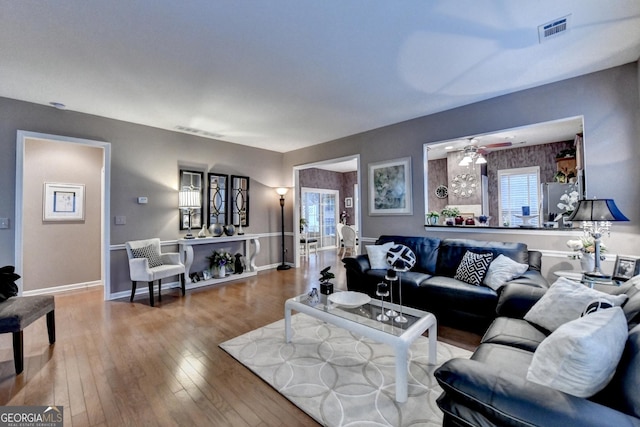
(49, 161)
(319, 212)
(328, 176)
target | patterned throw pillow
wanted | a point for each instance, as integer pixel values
(401, 258)
(473, 267)
(150, 253)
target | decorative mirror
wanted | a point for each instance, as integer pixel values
(239, 200)
(217, 199)
(191, 180)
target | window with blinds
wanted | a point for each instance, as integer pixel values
(519, 187)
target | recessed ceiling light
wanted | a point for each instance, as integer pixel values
(449, 147)
(58, 105)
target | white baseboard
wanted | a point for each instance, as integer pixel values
(62, 288)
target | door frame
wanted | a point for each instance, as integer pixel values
(105, 269)
(297, 201)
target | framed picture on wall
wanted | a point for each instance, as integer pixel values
(191, 180)
(63, 202)
(348, 202)
(626, 267)
(390, 187)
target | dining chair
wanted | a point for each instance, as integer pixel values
(349, 240)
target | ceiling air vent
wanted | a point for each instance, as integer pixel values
(554, 28)
(198, 132)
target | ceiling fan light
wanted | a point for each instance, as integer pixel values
(481, 160)
(465, 161)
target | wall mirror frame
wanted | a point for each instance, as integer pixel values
(539, 145)
(218, 184)
(239, 200)
(190, 179)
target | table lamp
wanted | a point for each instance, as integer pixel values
(189, 199)
(596, 216)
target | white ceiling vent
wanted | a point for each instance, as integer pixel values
(555, 28)
(198, 132)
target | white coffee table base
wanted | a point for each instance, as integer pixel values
(400, 344)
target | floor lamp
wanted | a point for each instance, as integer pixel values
(596, 216)
(189, 199)
(282, 191)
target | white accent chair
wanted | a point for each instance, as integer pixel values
(349, 240)
(144, 255)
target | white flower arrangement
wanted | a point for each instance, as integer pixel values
(568, 201)
(585, 245)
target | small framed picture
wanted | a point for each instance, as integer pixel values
(626, 267)
(348, 202)
(63, 202)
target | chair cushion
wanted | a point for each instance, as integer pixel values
(580, 357)
(565, 301)
(473, 267)
(18, 312)
(149, 252)
(502, 270)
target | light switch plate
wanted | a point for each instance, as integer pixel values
(4, 222)
(121, 220)
(142, 200)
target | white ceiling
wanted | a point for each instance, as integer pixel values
(285, 74)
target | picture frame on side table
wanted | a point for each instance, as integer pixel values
(626, 267)
(63, 202)
(390, 190)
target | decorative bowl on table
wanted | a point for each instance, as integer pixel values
(349, 299)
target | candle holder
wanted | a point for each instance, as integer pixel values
(382, 290)
(391, 276)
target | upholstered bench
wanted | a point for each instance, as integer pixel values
(19, 312)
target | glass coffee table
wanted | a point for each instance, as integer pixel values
(362, 320)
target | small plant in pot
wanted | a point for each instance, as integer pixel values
(219, 262)
(326, 287)
(450, 214)
(432, 217)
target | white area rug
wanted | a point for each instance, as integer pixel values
(341, 379)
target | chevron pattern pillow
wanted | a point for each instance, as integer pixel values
(150, 253)
(473, 267)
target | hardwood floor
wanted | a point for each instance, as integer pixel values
(117, 363)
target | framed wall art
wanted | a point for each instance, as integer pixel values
(390, 187)
(217, 198)
(239, 200)
(348, 202)
(626, 267)
(191, 180)
(63, 202)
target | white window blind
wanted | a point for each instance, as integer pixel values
(519, 187)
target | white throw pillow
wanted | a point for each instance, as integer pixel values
(564, 301)
(581, 356)
(502, 270)
(378, 255)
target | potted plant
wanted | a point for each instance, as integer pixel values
(326, 287)
(585, 248)
(450, 214)
(432, 217)
(219, 261)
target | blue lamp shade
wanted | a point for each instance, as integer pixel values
(597, 210)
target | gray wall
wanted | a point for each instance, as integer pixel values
(145, 162)
(609, 101)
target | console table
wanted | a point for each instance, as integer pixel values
(186, 255)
